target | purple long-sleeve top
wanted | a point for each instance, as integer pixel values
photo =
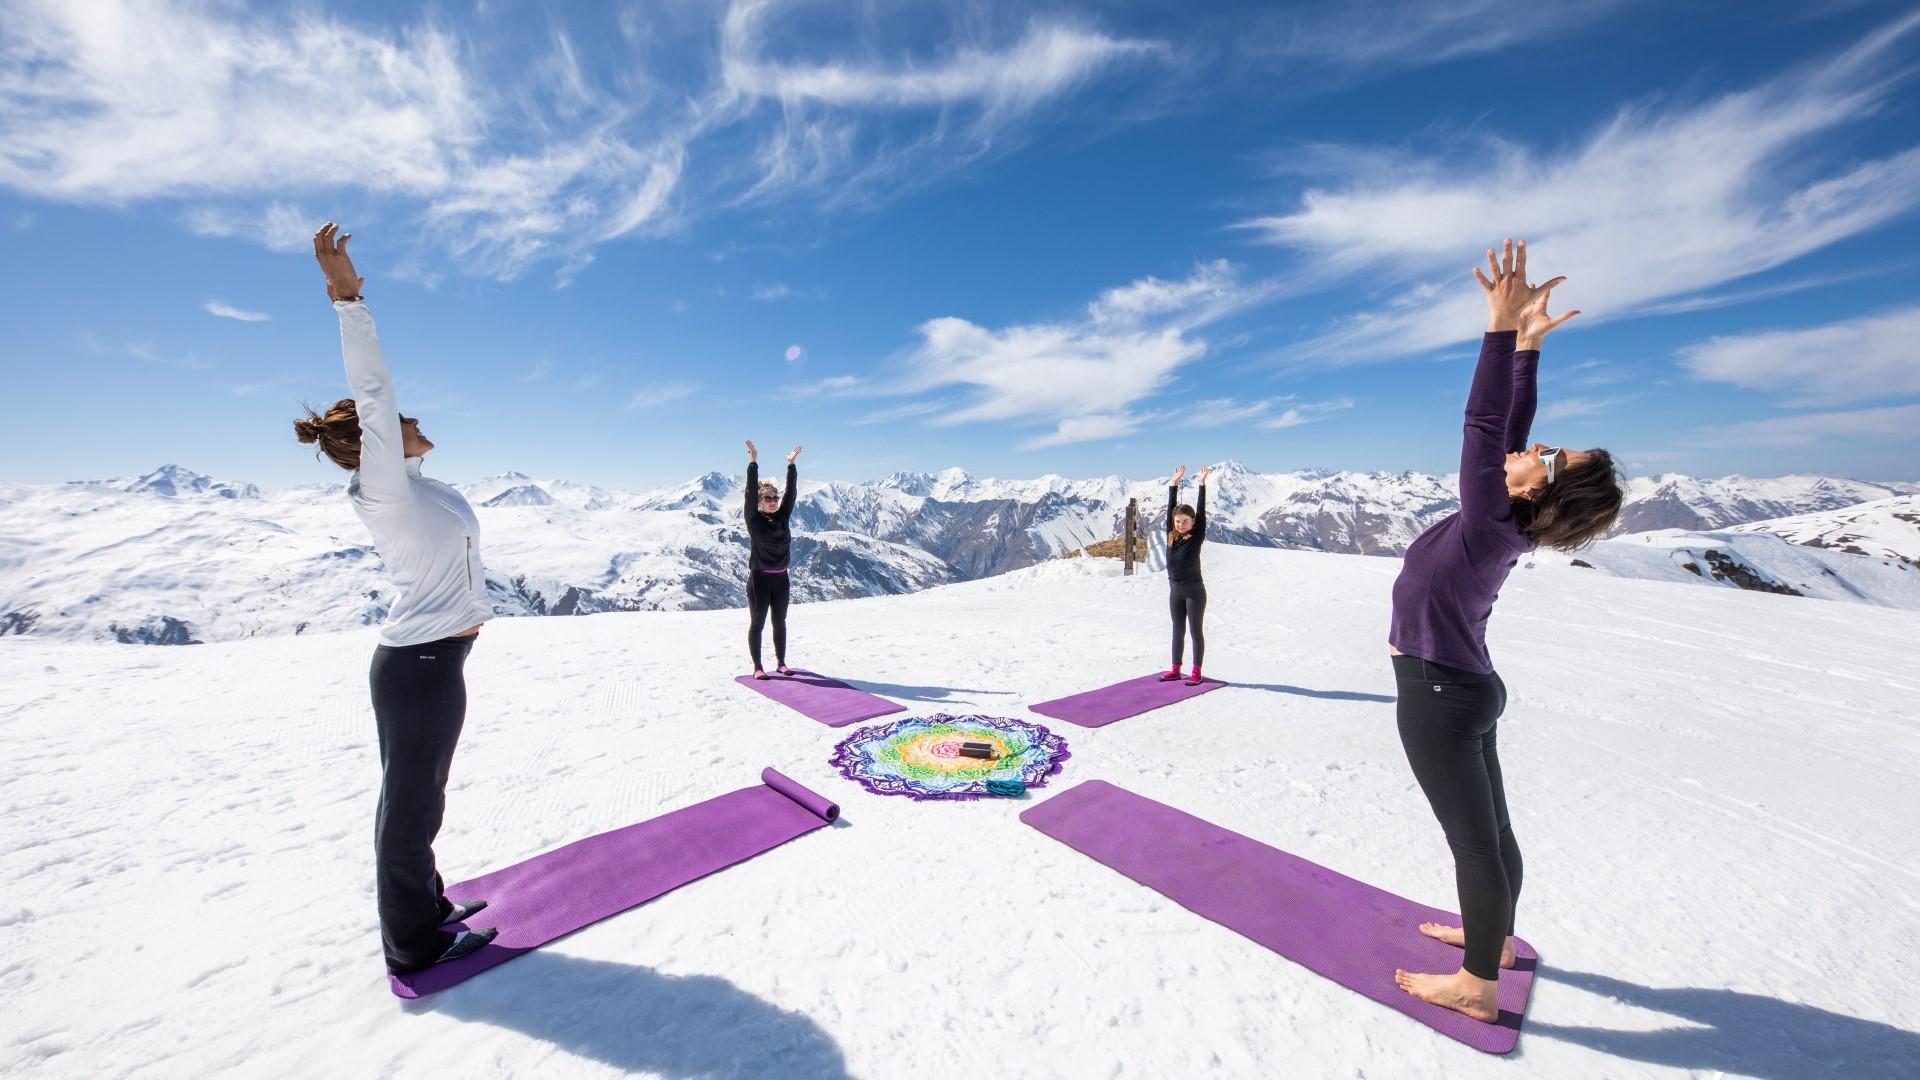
(1452, 574)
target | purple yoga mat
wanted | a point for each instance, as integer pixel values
(829, 701)
(1121, 700)
(1343, 929)
(554, 894)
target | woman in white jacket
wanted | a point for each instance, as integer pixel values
(429, 540)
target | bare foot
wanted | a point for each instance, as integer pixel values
(1457, 938)
(1460, 991)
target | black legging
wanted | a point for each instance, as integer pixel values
(1188, 602)
(1448, 719)
(419, 705)
(766, 591)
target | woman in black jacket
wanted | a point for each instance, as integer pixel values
(1187, 593)
(768, 509)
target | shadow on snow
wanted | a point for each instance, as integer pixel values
(636, 1019)
(1740, 1033)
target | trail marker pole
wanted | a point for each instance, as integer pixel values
(1132, 530)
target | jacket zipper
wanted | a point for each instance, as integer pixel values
(469, 565)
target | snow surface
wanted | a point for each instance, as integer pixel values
(1714, 790)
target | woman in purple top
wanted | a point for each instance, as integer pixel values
(1514, 496)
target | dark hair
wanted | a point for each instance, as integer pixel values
(337, 431)
(1173, 534)
(1577, 507)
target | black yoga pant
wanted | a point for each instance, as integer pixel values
(1188, 602)
(419, 705)
(767, 592)
(1448, 719)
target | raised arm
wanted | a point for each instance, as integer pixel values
(383, 462)
(1501, 403)
(753, 479)
(793, 481)
(1520, 409)
(1200, 505)
(1173, 495)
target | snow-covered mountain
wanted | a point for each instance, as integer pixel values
(176, 557)
(1886, 529)
(1673, 501)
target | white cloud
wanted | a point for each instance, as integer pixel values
(116, 102)
(228, 311)
(276, 226)
(1307, 413)
(776, 291)
(149, 354)
(1657, 205)
(542, 367)
(1220, 412)
(1373, 32)
(1567, 408)
(1090, 428)
(652, 397)
(827, 108)
(497, 161)
(1049, 60)
(1855, 360)
(1083, 376)
(1900, 423)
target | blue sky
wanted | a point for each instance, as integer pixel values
(1018, 238)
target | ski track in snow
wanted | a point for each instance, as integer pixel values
(1714, 791)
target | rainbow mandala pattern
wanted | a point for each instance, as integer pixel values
(920, 757)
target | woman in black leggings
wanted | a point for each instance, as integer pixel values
(429, 541)
(1514, 496)
(1186, 592)
(771, 542)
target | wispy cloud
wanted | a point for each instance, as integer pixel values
(498, 160)
(1307, 413)
(1083, 376)
(276, 226)
(228, 311)
(976, 94)
(100, 107)
(542, 367)
(652, 397)
(1899, 423)
(776, 291)
(1854, 360)
(1657, 205)
(1567, 408)
(1221, 412)
(149, 355)
(1370, 33)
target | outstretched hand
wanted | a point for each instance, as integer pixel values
(1513, 303)
(793, 453)
(1202, 478)
(342, 282)
(753, 452)
(1178, 474)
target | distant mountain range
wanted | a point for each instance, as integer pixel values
(175, 557)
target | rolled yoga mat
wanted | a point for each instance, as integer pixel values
(1329, 923)
(829, 701)
(1121, 700)
(551, 895)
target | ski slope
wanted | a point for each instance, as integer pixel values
(1714, 789)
